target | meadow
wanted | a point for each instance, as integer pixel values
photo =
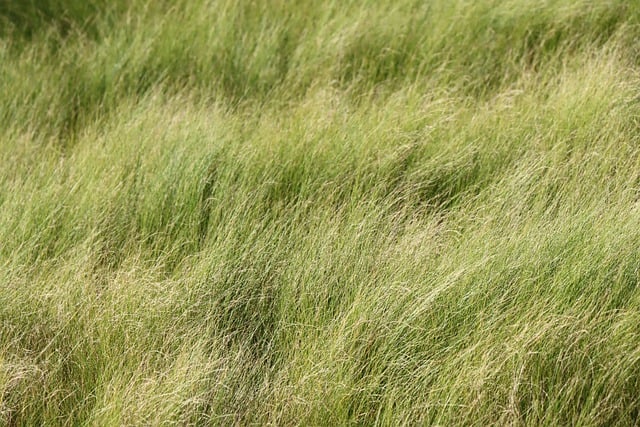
(270, 212)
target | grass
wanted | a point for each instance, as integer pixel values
(319, 213)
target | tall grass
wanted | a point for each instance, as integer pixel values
(319, 213)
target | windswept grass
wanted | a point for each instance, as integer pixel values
(319, 213)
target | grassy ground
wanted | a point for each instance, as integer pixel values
(319, 213)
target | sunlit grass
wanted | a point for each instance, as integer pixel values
(319, 213)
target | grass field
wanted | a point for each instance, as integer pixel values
(273, 212)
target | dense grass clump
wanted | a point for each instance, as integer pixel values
(319, 213)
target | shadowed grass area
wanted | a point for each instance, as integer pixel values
(304, 213)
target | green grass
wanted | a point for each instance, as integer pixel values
(319, 213)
